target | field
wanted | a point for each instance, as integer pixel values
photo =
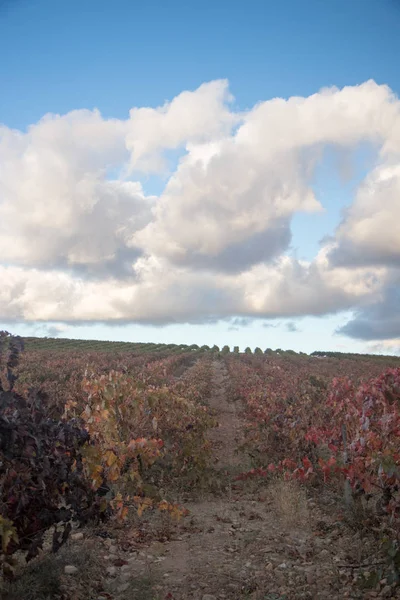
(171, 472)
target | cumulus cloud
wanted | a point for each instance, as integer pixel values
(57, 207)
(229, 204)
(80, 241)
(379, 320)
(241, 321)
(55, 330)
(268, 325)
(199, 116)
(161, 293)
(368, 234)
(291, 327)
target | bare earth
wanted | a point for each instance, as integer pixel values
(226, 437)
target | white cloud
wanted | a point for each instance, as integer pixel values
(162, 293)
(370, 231)
(57, 208)
(81, 241)
(197, 116)
(229, 203)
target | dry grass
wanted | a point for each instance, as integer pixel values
(44, 578)
(290, 502)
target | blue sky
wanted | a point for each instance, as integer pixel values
(63, 56)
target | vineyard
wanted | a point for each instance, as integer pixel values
(162, 472)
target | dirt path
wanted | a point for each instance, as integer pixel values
(204, 562)
(264, 543)
(226, 437)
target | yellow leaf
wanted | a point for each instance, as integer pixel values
(110, 458)
(163, 505)
(8, 533)
(123, 513)
(103, 505)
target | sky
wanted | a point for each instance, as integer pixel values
(211, 173)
